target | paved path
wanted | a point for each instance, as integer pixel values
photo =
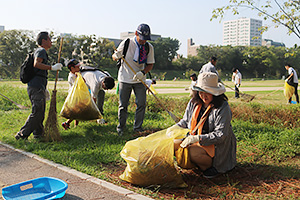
(182, 90)
(18, 166)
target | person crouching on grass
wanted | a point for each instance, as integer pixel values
(213, 147)
(96, 80)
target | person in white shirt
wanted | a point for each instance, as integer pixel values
(292, 80)
(96, 80)
(129, 80)
(237, 80)
(210, 66)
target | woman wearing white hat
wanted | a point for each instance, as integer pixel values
(211, 144)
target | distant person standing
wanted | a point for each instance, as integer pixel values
(237, 80)
(36, 89)
(129, 80)
(210, 66)
(292, 80)
(193, 77)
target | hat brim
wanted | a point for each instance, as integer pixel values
(211, 90)
(144, 37)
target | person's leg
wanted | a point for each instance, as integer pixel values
(140, 100)
(296, 92)
(199, 156)
(124, 96)
(34, 122)
(236, 92)
(66, 125)
(100, 101)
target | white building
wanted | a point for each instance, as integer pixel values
(1, 29)
(242, 32)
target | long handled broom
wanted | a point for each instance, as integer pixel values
(51, 126)
(176, 119)
(18, 105)
(246, 97)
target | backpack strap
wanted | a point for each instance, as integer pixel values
(126, 45)
(93, 69)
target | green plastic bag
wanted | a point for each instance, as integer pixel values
(150, 159)
(79, 104)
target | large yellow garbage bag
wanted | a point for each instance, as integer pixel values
(288, 90)
(79, 104)
(150, 159)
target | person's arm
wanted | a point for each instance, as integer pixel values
(148, 68)
(119, 51)
(185, 121)
(221, 127)
(290, 76)
(38, 63)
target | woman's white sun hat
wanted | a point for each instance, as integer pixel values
(208, 82)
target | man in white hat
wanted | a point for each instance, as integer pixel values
(211, 142)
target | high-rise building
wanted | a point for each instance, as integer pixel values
(242, 32)
(1, 29)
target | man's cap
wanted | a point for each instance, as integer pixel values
(144, 32)
(72, 63)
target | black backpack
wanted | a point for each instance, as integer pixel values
(27, 70)
(125, 51)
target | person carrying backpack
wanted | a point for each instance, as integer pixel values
(141, 63)
(36, 89)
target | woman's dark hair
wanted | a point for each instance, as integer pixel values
(217, 100)
(42, 35)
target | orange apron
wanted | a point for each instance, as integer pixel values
(210, 150)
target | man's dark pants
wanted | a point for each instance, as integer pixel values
(34, 122)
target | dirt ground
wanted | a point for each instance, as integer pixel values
(243, 182)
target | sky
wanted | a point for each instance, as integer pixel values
(177, 19)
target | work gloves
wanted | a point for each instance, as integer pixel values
(191, 139)
(139, 76)
(56, 67)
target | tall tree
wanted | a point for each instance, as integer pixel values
(165, 50)
(14, 46)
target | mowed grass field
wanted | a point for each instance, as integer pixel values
(267, 132)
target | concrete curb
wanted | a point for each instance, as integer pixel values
(83, 176)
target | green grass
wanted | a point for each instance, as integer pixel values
(94, 149)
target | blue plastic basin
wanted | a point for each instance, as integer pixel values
(39, 188)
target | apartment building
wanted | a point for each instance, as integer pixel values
(242, 32)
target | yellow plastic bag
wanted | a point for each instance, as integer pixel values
(150, 159)
(153, 90)
(79, 105)
(288, 90)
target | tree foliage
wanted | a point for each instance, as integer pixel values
(14, 46)
(165, 50)
(284, 13)
(253, 62)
